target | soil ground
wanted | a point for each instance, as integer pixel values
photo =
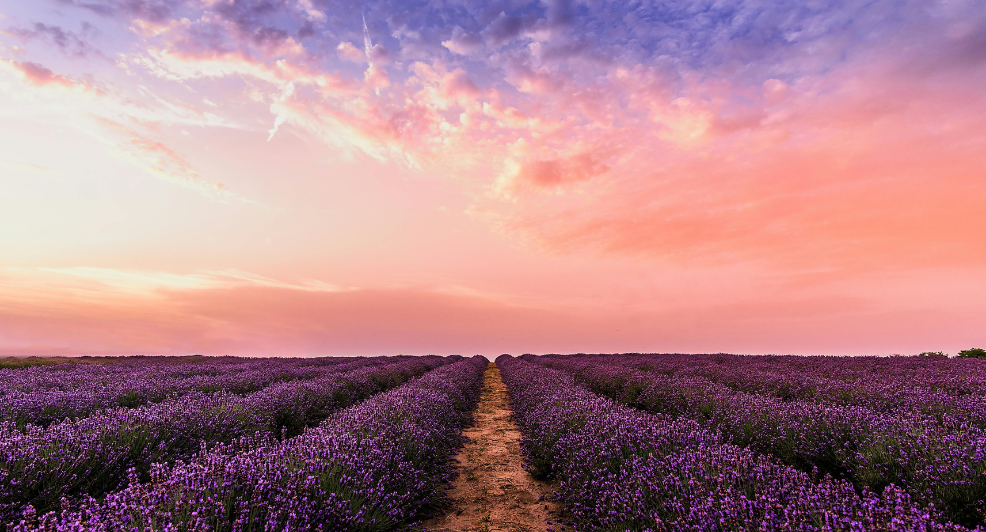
(493, 493)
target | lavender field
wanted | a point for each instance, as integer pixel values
(625, 443)
(720, 442)
(275, 444)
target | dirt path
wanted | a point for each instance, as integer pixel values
(493, 492)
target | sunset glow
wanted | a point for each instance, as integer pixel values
(310, 177)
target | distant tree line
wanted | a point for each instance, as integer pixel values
(975, 352)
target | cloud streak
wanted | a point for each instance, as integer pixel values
(244, 314)
(67, 41)
(159, 160)
(37, 75)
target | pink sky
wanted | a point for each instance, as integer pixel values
(308, 177)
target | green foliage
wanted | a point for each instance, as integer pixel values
(26, 362)
(975, 352)
(935, 354)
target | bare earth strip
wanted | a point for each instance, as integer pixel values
(493, 493)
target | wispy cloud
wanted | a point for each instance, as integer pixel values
(67, 41)
(38, 75)
(159, 160)
(104, 117)
(30, 166)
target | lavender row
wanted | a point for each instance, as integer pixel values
(951, 376)
(937, 462)
(935, 386)
(617, 468)
(891, 391)
(68, 377)
(92, 455)
(46, 395)
(381, 465)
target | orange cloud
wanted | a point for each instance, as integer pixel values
(38, 76)
(113, 312)
(242, 314)
(855, 170)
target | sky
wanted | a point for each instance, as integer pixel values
(321, 177)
